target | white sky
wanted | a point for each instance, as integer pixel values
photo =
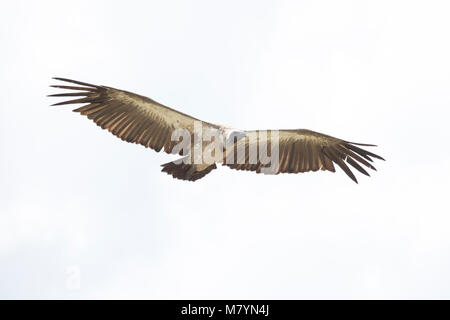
(85, 215)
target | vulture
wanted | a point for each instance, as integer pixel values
(141, 120)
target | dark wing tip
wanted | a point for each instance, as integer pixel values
(70, 94)
(82, 100)
(364, 153)
(88, 92)
(355, 165)
(76, 82)
(74, 88)
(336, 157)
(362, 144)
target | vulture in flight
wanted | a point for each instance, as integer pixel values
(141, 120)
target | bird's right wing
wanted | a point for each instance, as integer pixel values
(131, 117)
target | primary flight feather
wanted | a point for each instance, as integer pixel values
(138, 119)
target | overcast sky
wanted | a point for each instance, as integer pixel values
(85, 215)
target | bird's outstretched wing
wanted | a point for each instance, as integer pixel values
(137, 119)
(305, 150)
(131, 117)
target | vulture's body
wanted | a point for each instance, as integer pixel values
(137, 119)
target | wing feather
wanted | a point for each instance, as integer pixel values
(357, 166)
(130, 117)
(305, 150)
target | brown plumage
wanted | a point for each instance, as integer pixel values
(304, 150)
(141, 120)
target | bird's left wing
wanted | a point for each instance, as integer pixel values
(301, 150)
(131, 117)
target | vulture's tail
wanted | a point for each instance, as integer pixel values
(190, 172)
